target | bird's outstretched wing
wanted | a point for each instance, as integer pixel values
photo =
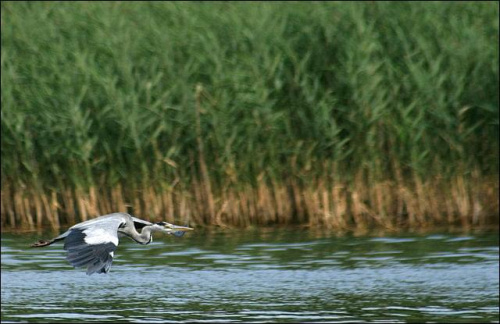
(91, 244)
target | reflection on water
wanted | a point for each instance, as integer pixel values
(260, 275)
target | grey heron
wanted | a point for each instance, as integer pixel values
(92, 243)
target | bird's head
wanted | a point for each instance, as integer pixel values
(171, 228)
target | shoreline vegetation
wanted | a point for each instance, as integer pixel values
(340, 115)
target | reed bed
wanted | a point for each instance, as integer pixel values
(328, 114)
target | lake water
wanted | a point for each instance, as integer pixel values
(282, 275)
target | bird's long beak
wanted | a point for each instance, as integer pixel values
(178, 228)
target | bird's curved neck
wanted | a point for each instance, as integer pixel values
(144, 237)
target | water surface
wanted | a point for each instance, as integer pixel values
(281, 275)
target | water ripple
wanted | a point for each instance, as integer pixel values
(240, 278)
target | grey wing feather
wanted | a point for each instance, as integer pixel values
(91, 244)
(110, 222)
(95, 257)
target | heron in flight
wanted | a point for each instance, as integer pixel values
(92, 243)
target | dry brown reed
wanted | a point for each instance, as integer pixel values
(295, 119)
(337, 206)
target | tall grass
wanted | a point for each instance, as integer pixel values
(341, 114)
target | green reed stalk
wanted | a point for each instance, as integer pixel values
(336, 114)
